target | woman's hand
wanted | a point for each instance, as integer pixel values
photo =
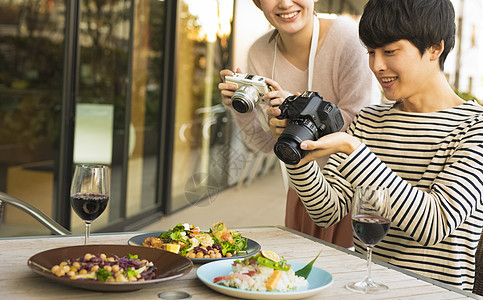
(227, 89)
(277, 95)
(277, 126)
(327, 145)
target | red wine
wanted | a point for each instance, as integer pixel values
(370, 229)
(89, 206)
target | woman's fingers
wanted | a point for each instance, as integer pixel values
(275, 85)
(227, 72)
(224, 73)
(277, 126)
(227, 89)
(273, 111)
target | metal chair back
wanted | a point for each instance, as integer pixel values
(34, 212)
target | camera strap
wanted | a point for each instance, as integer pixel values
(313, 50)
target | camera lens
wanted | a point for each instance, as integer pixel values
(288, 152)
(287, 147)
(244, 99)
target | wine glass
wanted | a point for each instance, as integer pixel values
(89, 193)
(370, 220)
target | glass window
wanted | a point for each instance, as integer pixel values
(147, 70)
(119, 69)
(104, 36)
(31, 81)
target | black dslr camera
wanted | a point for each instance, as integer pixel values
(310, 118)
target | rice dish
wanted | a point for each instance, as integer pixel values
(251, 275)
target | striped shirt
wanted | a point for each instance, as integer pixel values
(432, 164)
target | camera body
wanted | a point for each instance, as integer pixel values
(310, 118)
(251, 89)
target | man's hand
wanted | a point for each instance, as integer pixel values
(327, 145)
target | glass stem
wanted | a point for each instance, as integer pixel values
(88, 232)
(369, 259)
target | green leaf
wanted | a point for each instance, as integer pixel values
(239, 243)
(305, 271)
(174, 234)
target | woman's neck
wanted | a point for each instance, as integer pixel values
(296, 47)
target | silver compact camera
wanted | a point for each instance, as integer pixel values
(251, 89)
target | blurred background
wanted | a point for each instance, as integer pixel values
(133, 84)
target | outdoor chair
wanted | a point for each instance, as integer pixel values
(45, 220)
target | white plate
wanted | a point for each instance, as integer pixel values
(318, 279)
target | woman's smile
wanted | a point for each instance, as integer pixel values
(288, 16)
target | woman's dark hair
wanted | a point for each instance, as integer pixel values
(422, 22)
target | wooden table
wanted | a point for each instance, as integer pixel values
(17, 281)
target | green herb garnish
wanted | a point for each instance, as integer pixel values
(305, 271)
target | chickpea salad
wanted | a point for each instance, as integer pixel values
(190, 242)
(100, 267)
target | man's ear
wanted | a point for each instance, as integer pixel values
(436, 50)
(257, 3)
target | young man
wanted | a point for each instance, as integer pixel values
(426, 147)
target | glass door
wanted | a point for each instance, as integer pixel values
(202, 130)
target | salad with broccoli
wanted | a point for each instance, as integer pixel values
(191, 242)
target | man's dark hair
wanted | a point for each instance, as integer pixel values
(422, 22)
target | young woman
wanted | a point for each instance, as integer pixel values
(302, 53)
(426, 147)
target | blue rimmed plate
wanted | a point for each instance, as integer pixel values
(318, 280)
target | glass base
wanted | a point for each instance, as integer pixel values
(367, 286)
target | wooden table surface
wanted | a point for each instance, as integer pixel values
(17, 281)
